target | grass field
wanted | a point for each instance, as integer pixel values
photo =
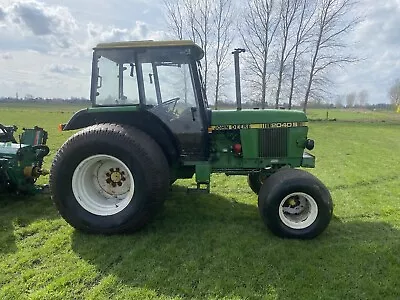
(216, 246)
(356, 115)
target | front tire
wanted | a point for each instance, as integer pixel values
(295, 204)
(254, 180)
(109, 178)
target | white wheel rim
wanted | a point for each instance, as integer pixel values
(103, 185)
(298, 210)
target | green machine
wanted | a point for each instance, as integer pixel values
(150, 124)
(21, 161)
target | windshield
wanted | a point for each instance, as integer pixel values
(165, 82)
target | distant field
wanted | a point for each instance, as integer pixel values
(51, 107)
(216, 246)
(358, 115)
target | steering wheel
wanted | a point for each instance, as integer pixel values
(164, 111)
(173, 100)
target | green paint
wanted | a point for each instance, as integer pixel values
(249, 142)
(251, 116)
(296, 141)
(14, 158)
(287, 149)
(13, 164)
(203, 171)
(33, 136)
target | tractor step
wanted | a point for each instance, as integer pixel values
(201, 188)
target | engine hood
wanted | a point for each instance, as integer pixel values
(255, 116)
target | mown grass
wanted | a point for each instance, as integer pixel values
(215, 246)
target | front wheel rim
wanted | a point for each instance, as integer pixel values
(103, 185)
(298, 210)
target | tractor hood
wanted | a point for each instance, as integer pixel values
(255, 116)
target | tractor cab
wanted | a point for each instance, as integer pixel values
(160, 77)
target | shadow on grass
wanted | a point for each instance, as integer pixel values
(18, 212)
(366, 183)
(204, 246)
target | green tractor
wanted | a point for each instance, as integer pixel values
(21, 161)
(150, 124)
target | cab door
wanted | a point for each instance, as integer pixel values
(171, 93)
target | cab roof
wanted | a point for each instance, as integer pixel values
(197, 51)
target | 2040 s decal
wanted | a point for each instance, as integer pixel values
(257, 126)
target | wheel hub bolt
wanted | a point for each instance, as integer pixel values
(115, 177)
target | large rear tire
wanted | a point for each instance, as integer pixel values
(109, 179)
(295, 204)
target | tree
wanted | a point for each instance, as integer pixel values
(363, 98)
(260, 23)
(298, 42)
(176, 14)
(223, 24)
(394, 93)
(288, 13)
(351, 99)
(199, 19)
(339, 101)
(333, 21)
(191, 19)
(295, 25)
(304, 26)
(209, 24)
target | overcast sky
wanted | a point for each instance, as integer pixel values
(45, 46)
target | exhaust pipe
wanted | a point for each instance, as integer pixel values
(237, 78)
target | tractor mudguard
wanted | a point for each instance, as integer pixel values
(132, 116)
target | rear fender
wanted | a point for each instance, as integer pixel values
(142, 119)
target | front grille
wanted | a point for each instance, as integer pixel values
(273, 142)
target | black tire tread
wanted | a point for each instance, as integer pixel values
(151, 157)
(253, 180)
(276, 180)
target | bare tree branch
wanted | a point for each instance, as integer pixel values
(223, 24)
(261, 22)
(334, 20)
(394, 93)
